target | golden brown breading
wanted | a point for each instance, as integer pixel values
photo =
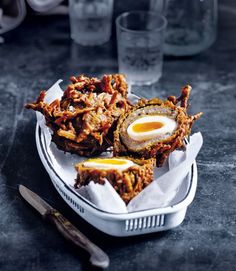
(160, 149)
(127, 183)
(84, 119)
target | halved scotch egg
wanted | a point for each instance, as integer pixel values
(127, 175)
(154, 128)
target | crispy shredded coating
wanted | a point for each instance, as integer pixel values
(127, 183)
(162, 148)
(84, 119)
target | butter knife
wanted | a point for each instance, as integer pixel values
(98, 258)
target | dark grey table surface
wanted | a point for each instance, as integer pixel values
(38, 53)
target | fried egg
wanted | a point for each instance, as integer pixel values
(149, 127)
(109, 163)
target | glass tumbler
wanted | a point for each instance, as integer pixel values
(90, 21)
(140, 38)
(192, 25)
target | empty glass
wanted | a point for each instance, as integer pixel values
(140, 37)
(90, 21)
(192, 25)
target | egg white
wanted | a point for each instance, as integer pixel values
(93, 164)
(168, 127)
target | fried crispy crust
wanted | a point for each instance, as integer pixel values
(127, 183)
(161, 149)
(84, 119)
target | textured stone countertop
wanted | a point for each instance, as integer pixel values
(32, 58)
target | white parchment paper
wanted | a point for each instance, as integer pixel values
(170, 184)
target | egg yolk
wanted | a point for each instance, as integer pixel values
(147, 126)
(108, 161)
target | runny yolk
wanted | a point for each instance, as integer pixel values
(147, 126)
(108, 161)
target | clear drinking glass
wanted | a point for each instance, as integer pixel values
(90, 21)
(140, 38)
(192, 25)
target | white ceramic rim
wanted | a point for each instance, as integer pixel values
(45, 158)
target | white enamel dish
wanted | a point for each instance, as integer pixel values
(141, 222)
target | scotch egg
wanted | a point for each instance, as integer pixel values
(154, 128)
(108, 163)
(149, 127)
(145, 127)
(128, 183)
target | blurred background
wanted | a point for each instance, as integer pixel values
(44, 25)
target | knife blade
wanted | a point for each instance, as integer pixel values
(98, 257)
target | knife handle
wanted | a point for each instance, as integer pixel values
(98, 257)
